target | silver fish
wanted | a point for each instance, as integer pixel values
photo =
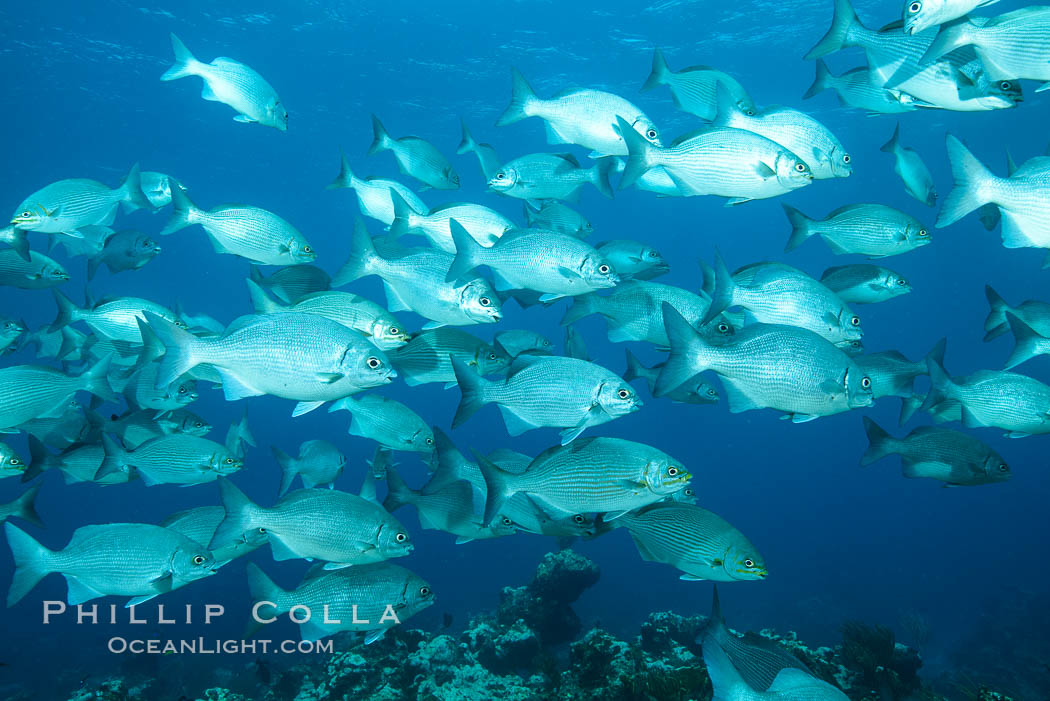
(61, 431)
(33, 391)
(873, 230)
(113, 559)
(24, 507)
(1028, 343)
(199, 524)
(231, 83)
(518, 341)
(1012, 46)
(136, 427)
(64, 206)
(892, 374)
(16, 239)
(789, 683)
(547, 391)
(488, 159)
(1018, 404)
(416, 157)
(449, 508)
(484, 225)
(693, 89)
(172, 459)
(388, 422)
(141, 391)
(557, 216)
(124, 250)
(373, 194)
(427, 357)
(38, 272)
(292, 282)
(633, 259)
(319, 464)
(864, 284)
(918, 182)
(10, 464)
(114, 319)
(78, 463)
(157, 187)
(694, 391)
(920, 15)
(856, 88)
(241, 230)
(586, 118)
(555, 176)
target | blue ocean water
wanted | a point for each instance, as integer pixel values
(841, 542)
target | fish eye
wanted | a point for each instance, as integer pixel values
(923, 232)
(394, 330)
(688, 491)
(373, 362)
(723, 327)
(603, 269)
(26, 213)
(1005, 85)
(623, 394)
(800, 167)
(182, 390)
(865, 382)
(485, 301)
(229, 461)
(401, 537)
(262, 530)
(507, 522)
(902, 282)
(15, 461)
(492, 356)
(578, 518)
(198, 424)
(1003, 467)
(749, 112)
(749, 562)
(651, 134)
(846, 158)
(424, 591)
(855, 320)
(500, 176)
(199, 559)
(672, 471)
(653, 254)
(711, 392)
(430, 441)
(914, 7)
(307, 249)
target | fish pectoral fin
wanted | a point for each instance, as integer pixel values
(831, 387)
(305, 408)
(733, 201)
(613, 515)
(550, 297)
(433, 325)
(374, 635)
(330, 377)
(463, 539)
(74, 234)
(802, 418)
(233, 388)
(764, 171)
(329, 566)
(691, 578)
(571, 434)
(138, 600)
(568, 273)
(280, 549)
(632, 485)
(78, 592)
(244, 119)
(1017, 434)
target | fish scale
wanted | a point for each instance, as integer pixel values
(634, 310)
(350, 310)
(419, 279)
(27, 391)
(798, 133)
(1015, 45)
(1007, 400)
(428, 356)
(36, 273)
(181, 459)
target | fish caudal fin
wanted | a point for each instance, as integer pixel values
(521, 96)
(32, 562)
(66, 313)
(186, 64)
(1029, 343)
(941, 385)
(96, 380)
(263, 302)
(800, 227)
(600, 175)
(475, 391)
(467, 144)
(398, 493)
(951, 36)
(468, 251)
(894, 143)
(25, 507)
(970, 177)
(722, 294)
(635, 370)
(582, 306)
(497, 487)
(346, 178)
(909, 405)
(821, 82)
(402, 224)
(639, 154)
(660, 71)
(131, 188)
(17, 240)
(844, 19)
(380, 138)
(115, 460)
(880, 443)
(180, 349)
(262, 588)
(362, 254)
(289, 469)
(240, 516)
(995, 323)
(686, 348)
(183, 212)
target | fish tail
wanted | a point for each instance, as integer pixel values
(498, 487)
(25, 507)
(909, 405)
(582, 305)
(403, 212)
(970, 187)
(32, 562)
(936, 353)
(238, 435)
(685, 359)
(821, 82)
(151, 349)
(842, 22)
(949, 37)
(467, 252)
(183, 212)
(707, 285)
(346, 177)
(131, 189)
(467, 144)
(116, 460)
(1028, 342)
(186, 64)
(262, 588)
(380, 138)
(92, 267)
(722, 294)
(18, 241)
(894, 143)
(40, 459)
(635, 369)
(995, 324)
(941, 385)
(241, 515)
(289, 469)
(575, 347)
(880, 443)
(660, 71)
(261, 300)
(726, 107)
(96, 380)
(726, 682)
(66, 314)
(600, 175)
(639, 154)
(362, 254)
(180, 349)
(475, 390)
(398, 493)
(800, 227)
(521, 96)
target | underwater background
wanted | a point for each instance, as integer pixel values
(952, 568)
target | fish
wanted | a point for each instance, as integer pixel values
(551, 391)
(1033, 313)
(796, 131)
(892, 374)
(418, 281)
(1015, 403)
(10, 332)
(353, 311)
(633, 259)
(857, 88)
(24, 507)
(427, 357)
(551, 176)
(319, 465)
(232, 83)
(864, 284)
(920, 15)
(449, 509)
(16, 239)
(388, 422)
(553, 264)
(786, 368)
(77, 463)
(199, 524)
(949, 456)
(595, 474)
(777, 293)
(241, 230)
(290, 283)
(634, 311)
(488, 159)
(66, 205)
(517, 341)
(733, 163)
(11, 465)
(693, 89)
(303, 357)
(116, 319)
(1021, 197)
(141, 391)
(35, 273)
(340, 528)
(415, 157)
(34, 391)
(557, 216)
(136, 427)
(171, 459)
(694, 391)
(89, 242)
(1028, 343)
(908, 164)
(575, 346)
(138, 560)
(128, 249)
(585, 117)
(63, 430)
(157, 187)
(1012, 46)
(873, 230)
(373, 194)
(694, 540)
(368, 599)
(484, 225)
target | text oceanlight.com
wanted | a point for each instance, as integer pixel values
(205, 646)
